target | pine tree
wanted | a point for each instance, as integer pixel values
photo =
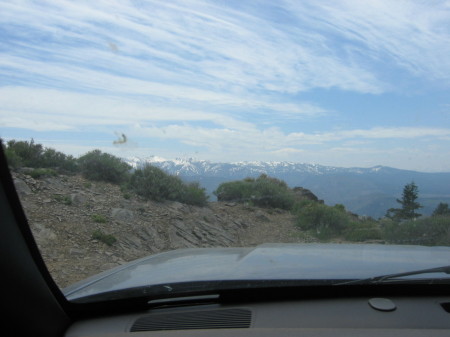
(441, 209)
(408, 202)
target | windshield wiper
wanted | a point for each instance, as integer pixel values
(394, 277)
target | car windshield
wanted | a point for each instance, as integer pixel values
(161, 142)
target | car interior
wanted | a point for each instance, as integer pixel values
(330, 98)
(34, 305)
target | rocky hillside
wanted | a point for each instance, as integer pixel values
(84, 227)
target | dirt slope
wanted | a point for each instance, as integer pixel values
(65, 211)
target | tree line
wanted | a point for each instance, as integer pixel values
(148, 182)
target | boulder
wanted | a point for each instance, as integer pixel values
(78, 198)
(122, 214)
(22, 187)
(305, 194)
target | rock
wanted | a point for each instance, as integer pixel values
(184, 234)
(152, 238)
(178, 206)
(42, 234)
(125, 204)
(240, 223)
(304, 194)
(180, 236)
(54, 182)
(122, 214)
(25, 170)
(31, 181)
(22, 187)
(107, 266)
(133, 241)
(78, 198)
(261, 216)
(76, 252)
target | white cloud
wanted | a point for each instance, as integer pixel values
(387, 133)
(210, 46)
(287, 151)
(29, 121)
(273, 140)
(109, 84)
(208, 75)
(413, 35)
(196, 44)
(67, 110)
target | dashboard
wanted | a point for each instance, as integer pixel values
(362, 316)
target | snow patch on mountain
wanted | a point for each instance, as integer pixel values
(195, 167)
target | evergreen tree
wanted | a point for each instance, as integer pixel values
(441, 209)
(409, 204)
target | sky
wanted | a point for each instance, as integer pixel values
(343, 83)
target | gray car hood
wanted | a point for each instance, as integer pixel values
(264, 262)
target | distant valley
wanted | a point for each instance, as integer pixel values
(365, 191)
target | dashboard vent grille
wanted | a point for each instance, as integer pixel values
(210, 319)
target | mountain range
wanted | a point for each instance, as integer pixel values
(364, 191)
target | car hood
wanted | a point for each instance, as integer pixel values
(264, 262)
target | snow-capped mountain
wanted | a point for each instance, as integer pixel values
(366, 191)
(193, 167)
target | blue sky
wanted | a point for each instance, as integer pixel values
(342, 83)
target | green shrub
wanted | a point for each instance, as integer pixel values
(14, 160)
(362, 231)
(125, 188)
(324, 233)
(153, 183)
(326, 222)
(193, 194)
(263, 192)
(432, 231)
(102, 237)
(96, 165)
(99, 218)
(42, 172)
(319, 217)
(29, 154)
(272, 193)
(65, 199)
(55, 159)
(237, 191)
(442, 209)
